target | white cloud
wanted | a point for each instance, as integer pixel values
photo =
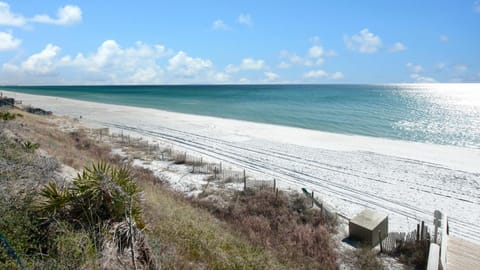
(10, 68)
(284, 54)
(110, 63)
(476, 6)
(246, 64)
(460, 68)
(422, 79)
(295, 59)
(244, 80)
(252, 64)
(364, 42)
(271, 76)
(9, 18)
(289, 59)
(315, 74)
(220, 25)
(221, 77)
(146, 75)
(319, 61)
(398, 47)
(8, 42)
(315, 51)
(440, 66)
(283, 65)
(111, 58)
(66, 15)
(414, 68)
(331, 53)
(315, 39)
(245, 19)
(43, 62)
(443, 38)
(321, 74)
(184, 65)
(232, 68)
(337, 75)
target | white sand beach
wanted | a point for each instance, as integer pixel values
(406, 180)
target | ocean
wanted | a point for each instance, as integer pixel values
(446, 114)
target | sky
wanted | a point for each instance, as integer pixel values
(239, 42)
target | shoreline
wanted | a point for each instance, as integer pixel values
(406, 180)
(446, 155)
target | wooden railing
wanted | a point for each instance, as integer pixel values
(437, 255)
(443, 248)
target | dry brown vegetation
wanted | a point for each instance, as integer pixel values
(365, 259)
(257, 230)
(73, 148)
(297, 235)
(185, 237)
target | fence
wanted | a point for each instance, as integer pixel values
(217, 171)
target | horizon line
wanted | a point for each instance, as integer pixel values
(232, 84)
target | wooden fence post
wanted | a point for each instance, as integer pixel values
(274, 184)
(244, 181)
(422, 235)
(312, 198)
(380, 239)
(321, 210)
(222, 171)
(418, 232)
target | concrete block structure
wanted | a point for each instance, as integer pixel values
(369, 227)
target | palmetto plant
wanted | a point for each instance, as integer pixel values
(102, 198)
(30, 147)
(54, 200)
(101, 194)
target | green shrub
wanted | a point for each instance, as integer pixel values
(6, 116)
(101, 194)
(19, 227)
(30, 147)
(366, 259)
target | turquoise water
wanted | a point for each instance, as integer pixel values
(442, 113)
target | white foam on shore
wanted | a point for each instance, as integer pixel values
(407, 180)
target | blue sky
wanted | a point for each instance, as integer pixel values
(156, 42)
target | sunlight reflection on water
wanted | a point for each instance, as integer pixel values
(443, 113)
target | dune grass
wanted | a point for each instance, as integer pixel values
(73, 148)
(283, 225)
(256, 231)
(191, 238)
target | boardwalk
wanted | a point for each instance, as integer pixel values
(462, 254)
